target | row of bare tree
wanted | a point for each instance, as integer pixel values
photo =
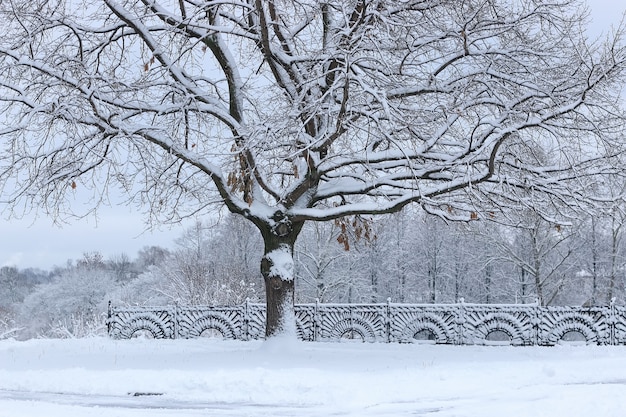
(406, 257)
(415, 258)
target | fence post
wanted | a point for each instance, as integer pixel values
(351, 311)
(246, 319)
(460, 322)
(176, 320)
(537, 322)
(612, 322)
(388, 320)
(316, 320)
(109, 319)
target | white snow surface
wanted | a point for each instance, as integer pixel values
(206, 377)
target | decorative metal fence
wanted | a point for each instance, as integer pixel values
(461, 324)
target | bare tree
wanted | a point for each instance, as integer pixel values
(122, 267)
(600, 257)
(541, 251)
(318, 255)
(72, 303)
(236, 248)
(616, 262)
(150, 256)
(190, 273)
(203, 270)
(616, 217)
(287, 111)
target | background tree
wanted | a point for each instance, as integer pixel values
(151, 256)
(122, 267)
(189, 273)
(539, 253)
(319, 263)
(393, 258)
(617, 261)
(15, 287)
(236, 248)
(12, 287)
(293, 111)
(72, 304)
(600, 256)
(205, 270)
(615, 216)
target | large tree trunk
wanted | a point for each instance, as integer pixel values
(277, 268)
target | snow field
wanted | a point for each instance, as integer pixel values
(97, 377)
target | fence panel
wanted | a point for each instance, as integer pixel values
(519, 325)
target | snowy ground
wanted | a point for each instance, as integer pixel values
(201, 377)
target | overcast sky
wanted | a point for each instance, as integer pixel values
(40, 244)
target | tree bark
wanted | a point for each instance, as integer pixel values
(277, 268)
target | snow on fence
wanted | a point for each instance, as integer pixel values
(461, 324)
